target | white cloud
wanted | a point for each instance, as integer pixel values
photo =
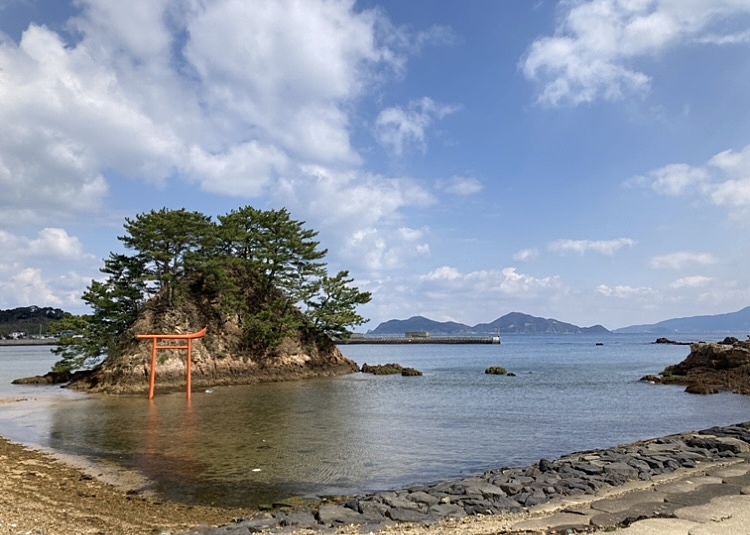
(375, 249)
(605, 247)
(596, 44)
(730, 39)
(625, 291)
(244, 169)
(724, 179)
(734, 167)
(287, 70)
(526, 255)
(351, 198)
(56, 243)
(461, 185)
(695, 281)
(29, 286)
(505, 282)
(677, 179)
(514, 283)
(51, 269)
(397, 129)
(233, 95)
(443, 273)
(682, 259)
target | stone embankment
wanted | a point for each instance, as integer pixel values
(509, 490)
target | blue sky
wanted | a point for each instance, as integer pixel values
(587, 161)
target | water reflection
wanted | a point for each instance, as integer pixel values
(238, 445)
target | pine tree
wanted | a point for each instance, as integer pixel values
(261, 267)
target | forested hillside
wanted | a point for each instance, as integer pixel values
(32, 320)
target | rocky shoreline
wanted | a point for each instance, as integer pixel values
(711, 367)
(506, 491)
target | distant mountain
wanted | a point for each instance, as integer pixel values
(420, 323)
(735, 322)
(515, 322)
(519, 323)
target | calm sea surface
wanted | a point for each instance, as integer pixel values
(247, 445)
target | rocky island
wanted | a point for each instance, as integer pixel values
(255, 281)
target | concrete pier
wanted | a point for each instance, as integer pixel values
(422, 340)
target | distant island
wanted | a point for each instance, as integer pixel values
(519, 323)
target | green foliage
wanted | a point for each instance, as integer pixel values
(332, 302)
(167, 242)
(81, 348)
(255, 266)
(278, 250)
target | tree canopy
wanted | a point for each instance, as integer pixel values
(264, 268)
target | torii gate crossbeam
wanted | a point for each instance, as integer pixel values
(188, 345)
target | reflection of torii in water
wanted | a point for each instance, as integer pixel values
(155, 347)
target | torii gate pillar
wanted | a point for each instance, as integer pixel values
(188, 345)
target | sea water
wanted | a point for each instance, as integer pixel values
(246, 445)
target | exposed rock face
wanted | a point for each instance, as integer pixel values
(711, 368)
(217, 359)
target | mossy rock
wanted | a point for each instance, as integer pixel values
(496, 370)
(701, 388)
(410, 372)
(383, 369)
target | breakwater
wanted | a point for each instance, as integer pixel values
(423, 340)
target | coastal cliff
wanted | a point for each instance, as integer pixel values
(711, 368)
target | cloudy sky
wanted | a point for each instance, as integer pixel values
(587, 161)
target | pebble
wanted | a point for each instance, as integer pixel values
(506, 490)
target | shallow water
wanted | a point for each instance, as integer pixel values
(256, 444)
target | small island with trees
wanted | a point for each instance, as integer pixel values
(255, 279)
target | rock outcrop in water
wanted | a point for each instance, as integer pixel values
(711, 368)
(390, 369)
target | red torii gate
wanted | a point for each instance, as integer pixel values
(155, 338)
